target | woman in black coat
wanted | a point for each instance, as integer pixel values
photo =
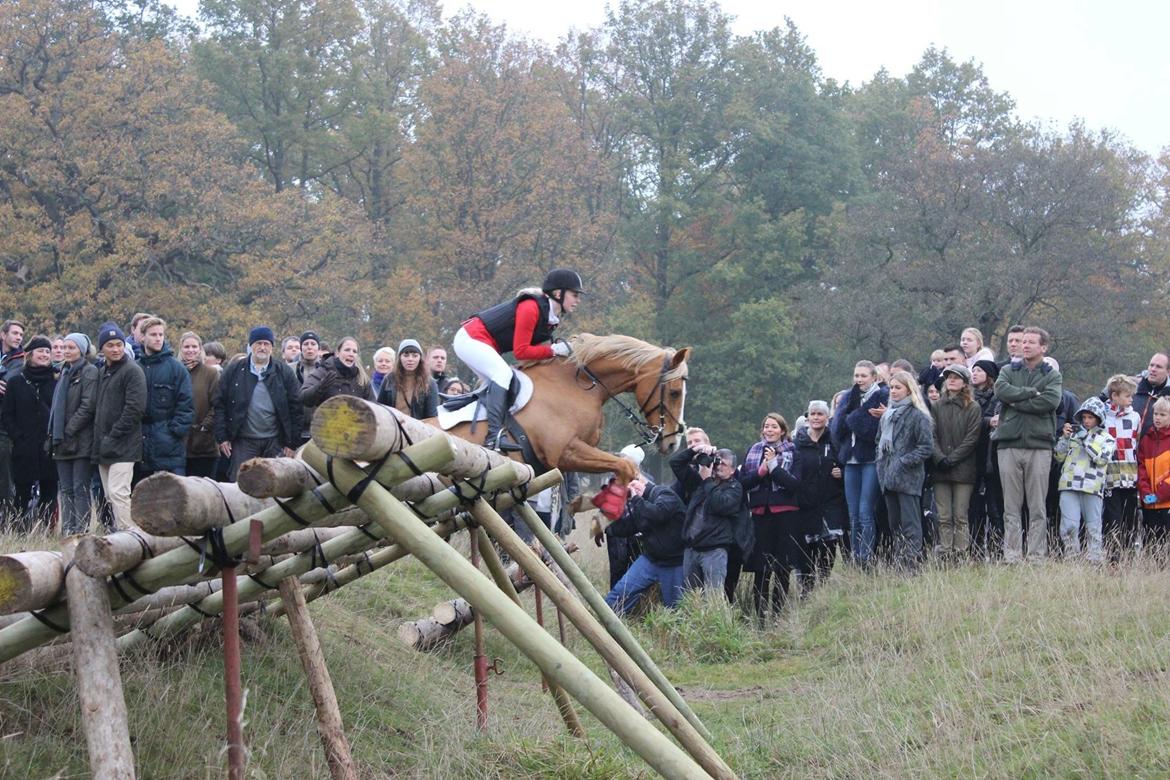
(27, 403)
(339, 373)
(409, 388)
(986, 511)
(820, 493)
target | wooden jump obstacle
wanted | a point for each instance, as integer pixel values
(373, 487)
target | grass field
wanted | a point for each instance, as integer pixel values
(1055, 670)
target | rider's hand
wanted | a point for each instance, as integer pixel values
(562, 349)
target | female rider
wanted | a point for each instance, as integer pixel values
(520, 326)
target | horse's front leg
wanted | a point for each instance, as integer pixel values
(579, 456)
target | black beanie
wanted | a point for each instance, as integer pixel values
(989, 367)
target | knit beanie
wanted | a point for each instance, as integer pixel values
(38, 342)
(989, 367)
(110, 332)
(261, 333)
(81, 340)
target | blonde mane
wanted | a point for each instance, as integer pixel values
(629, 352)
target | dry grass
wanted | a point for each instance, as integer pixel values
(1052, 670)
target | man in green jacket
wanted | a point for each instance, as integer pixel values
(117, 424)
(1030, 391)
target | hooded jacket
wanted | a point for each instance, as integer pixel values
(1030, 397)
(956, 439)
(1153, 456)
(1086, 454)
(170, 410)
(656, 517)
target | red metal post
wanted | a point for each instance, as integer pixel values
(231, 674)
(481, 664)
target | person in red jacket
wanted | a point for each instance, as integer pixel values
(1153, 457)
(520, 326)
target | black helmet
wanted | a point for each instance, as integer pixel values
(562, 279)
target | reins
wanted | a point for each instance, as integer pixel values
(649, 433)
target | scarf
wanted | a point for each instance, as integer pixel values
(755, 455)
(57, 408)
(348, 372)
(895, 411)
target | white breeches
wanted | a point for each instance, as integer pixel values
(484, 361)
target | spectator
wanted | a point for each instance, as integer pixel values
(456, 386)
(202, 453)
(933, 372)
(716, 518)
(1153, 459)
(986, 513)
(1015, 338)
(71, 433)
(654, 514)
(854, 431)
(820, 493)
(905, 443)
(952, 354)
(383, 365)
(1086, 451)
(958, 421)
(11, 361)
(257, 405)
(1066, 411)
(118, 408)
(169, 408)
(215, 354)
(971, 343)
(340, 373)
(410, 388)
(310, 354)
(1151, 386)
(58, 352)
(1029, 390)
(290, 350)
(779, 546)
(1119, 512)
(437, 365)
(26, 419)
(622, 548)
(135, 339)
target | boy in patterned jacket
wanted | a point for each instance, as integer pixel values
(1119, 514)
(1085, 451)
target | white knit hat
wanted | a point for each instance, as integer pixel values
(633, 453)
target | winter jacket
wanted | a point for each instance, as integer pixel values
(820, 495)
(331, 377)
(1123, 426)
(233, 395)
(303, 371)
(201, 437)
(717, 514)
(903, 468)
(423, 406)
(80, 401)
(854, 429)
(118, 410)
(1143, 400)
(770, 489)
(169, 411)
(1153, 455)
(956, 439)
(986, 461)
(1086, 454)
(26, 419)
(656, 518)
(1030, 397)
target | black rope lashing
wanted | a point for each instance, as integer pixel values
(410, 464)
(365, 529)
(256, 579)
(202, 612)
(286, 507)
(355, 493)
(317, 494)
(43, 620)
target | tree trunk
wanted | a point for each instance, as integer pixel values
(169, 505)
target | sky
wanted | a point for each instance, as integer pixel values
(1104, 63)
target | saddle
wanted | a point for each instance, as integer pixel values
(468, 408)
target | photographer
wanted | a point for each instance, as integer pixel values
(654, 514)
(717, 516)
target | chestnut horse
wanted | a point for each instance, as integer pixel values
(563, 418)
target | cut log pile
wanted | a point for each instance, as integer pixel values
(372, 487)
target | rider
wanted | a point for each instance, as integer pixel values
(520, 326)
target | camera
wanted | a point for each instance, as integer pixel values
(825, 536)
(707, 459)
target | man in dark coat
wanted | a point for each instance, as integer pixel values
(118, 409)
(257, 405)
(654, 514)
(1152, 385)
(11, 361)
(717, 516)
(170, 408)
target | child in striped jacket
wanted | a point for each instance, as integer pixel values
(1119, 514)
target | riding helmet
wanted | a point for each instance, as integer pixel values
(563, 279)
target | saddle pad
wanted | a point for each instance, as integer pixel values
(449, 419)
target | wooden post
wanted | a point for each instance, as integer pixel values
(329, 725)
(611, 621)
(606, 646)
(276, 477)
(556, 661)
(30, 580)
(506, 583)
(99, 683)
(167, 504)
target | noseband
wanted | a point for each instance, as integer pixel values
(649, 433)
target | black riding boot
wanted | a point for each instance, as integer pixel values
(495, 402)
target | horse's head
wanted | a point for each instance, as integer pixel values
(662, 393)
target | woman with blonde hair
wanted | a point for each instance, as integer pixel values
(339, 373)
(854, 430)
(971, 342)
(905, 443)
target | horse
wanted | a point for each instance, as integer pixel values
(563, 418)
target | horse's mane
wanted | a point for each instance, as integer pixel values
(629, 352)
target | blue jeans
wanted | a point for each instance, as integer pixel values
(706, 569)
(862, 494)
(637, 580)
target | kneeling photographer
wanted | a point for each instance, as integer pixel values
(716, 518)
(654, 514)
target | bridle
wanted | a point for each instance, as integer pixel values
(649, 433)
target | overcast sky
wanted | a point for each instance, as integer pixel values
(1103, 62)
